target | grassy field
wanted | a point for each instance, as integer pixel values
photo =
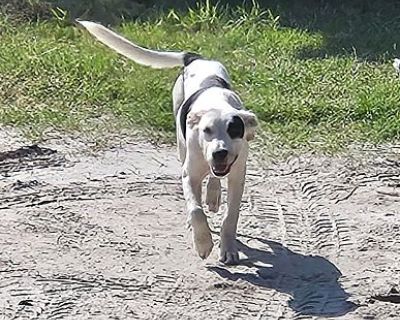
(318, 77)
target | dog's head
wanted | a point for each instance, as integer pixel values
(222, 136)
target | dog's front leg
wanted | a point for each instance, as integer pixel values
(213, 198)
(228, 250)
(192, 177)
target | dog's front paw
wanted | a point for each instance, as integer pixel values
(201, 234)
(229, 253)
(203, 243)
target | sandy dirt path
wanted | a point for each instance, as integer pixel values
(103, 236)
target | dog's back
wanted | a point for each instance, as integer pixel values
(199, 71)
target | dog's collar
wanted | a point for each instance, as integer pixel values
(209, 82)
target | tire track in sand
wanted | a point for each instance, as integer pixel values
(115, 246)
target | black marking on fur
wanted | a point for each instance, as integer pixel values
(185, 108)
(215, 81)
(236, 128)
(190, 57)
(209, 82)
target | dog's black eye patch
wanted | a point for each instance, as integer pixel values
(236, 128)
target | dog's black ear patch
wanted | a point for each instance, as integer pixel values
(236, 128)
(190, 57)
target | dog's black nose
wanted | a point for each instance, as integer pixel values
(220, 155)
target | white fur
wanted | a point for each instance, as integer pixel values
(128, 49)
(396, 65)
(206, 132)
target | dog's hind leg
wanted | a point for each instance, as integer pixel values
(213, 198)
(178, 94)
(181, 150)
(178, 97)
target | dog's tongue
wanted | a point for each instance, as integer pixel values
(219, 168)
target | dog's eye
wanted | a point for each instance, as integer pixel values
(236, 128)
(207, 130)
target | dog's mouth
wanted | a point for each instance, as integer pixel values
(221, 169)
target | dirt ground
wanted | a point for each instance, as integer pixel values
(103, 236)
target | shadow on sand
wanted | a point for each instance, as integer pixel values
(311, 281)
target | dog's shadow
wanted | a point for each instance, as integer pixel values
(311, 281)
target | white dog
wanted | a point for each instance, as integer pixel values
(212, 133)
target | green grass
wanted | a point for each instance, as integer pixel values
(307, 91)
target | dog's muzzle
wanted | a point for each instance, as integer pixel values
(220, 170)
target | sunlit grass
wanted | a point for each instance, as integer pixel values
(54, 75)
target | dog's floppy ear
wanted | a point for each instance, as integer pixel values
(250, 123)
(193, 118)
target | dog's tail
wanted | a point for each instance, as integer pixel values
(147, 57)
